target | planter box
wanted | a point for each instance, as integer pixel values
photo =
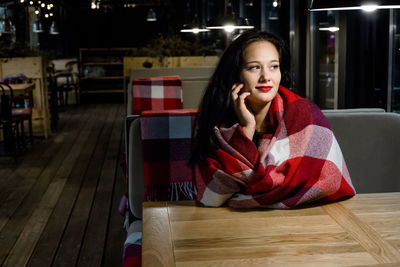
(171, 62)
(32, 67)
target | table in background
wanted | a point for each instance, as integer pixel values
(363, 230)
(22, 88)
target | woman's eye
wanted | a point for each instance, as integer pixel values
(274, 67)
(253, 67)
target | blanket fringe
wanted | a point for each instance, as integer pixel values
(171, 192)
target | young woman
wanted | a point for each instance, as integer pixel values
(256, 143)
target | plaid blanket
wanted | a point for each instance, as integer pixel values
(132, 253)
(298, 161)
(166, 144)
(156, 93)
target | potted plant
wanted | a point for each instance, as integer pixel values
(171, 51)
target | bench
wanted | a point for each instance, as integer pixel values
(194, 82)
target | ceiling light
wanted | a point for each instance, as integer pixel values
(195, 30)
(6, 25)
(151, 15)
(37, 26)
(369, 8)
(195, 26)
(331, 29)
(53, 28)
(367, 5)
(230, 24)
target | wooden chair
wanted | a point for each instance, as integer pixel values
(13, 139)
(22, 111)
(67, 81)
(52, 94)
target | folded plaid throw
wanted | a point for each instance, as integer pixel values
(156, 93)
(166, 141)
(298, 161)
(132, 253)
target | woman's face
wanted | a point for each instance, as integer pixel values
(260, 73)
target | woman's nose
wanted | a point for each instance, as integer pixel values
(265, 74)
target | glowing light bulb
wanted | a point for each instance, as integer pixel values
(275, 3)
(229, 28)
(333, 29)
(369, 8)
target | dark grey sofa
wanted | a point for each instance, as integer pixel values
(370, 143)
(369, 139)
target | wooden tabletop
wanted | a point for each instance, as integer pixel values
(361, 231)
(22, 87)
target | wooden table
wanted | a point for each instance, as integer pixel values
(363, 230)
(22, 88)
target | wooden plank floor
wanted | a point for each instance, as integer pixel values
(59, 201)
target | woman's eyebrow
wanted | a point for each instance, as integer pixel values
(256, 61)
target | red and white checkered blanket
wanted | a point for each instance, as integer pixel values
(299, 161)
(166, 145)
(157, 93)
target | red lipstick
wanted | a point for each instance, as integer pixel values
(264, 88)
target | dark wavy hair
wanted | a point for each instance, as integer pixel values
(215, 108)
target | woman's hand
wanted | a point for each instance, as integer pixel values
(243, 112)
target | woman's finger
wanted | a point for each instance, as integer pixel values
(235, 90)
(242, 98)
